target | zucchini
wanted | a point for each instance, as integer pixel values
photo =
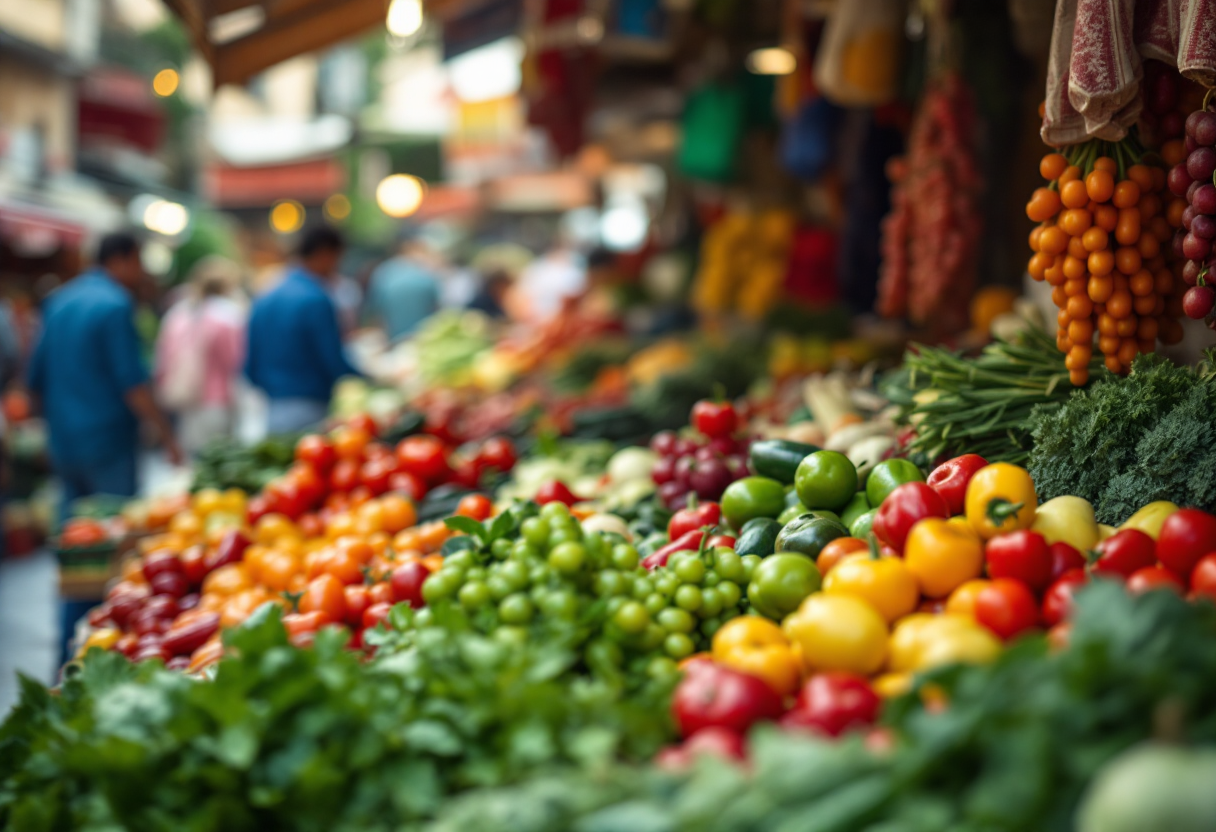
(778, 458)
(758, 537)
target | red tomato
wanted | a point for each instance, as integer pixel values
(556, 491)
(344, 566)
(832, 703)
(377, 474)
(358, 599)
(286, 498)
(499, 453)
(1022, 555)
(1059, 599)
(1006, 607)
(326, 595)
(1203, 576)
(1154, 577)
(257, 508)
(1124, 552)
(316, 451)
(312, 486)
(1186, 536)
(406, 582)
(424, 457)
(714, 418)
(302, 626)
(381, 593)
(1065, 558)
(161, 561)
(476, 506)
(904, 508)
(364, 422)
(345, 476)
(710, 695)
(408, 485)
(950, 479)
(466, 472)
(375, 614)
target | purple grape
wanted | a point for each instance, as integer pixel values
(1204, 226)
(1192, 121)
(1195, 248)
(1201, 162)
(1179, 235)
(1198, 301)
(1188, 216)
(1190, 191)
(1190, 272)
(1191, 144)
(1203, 200)
(1179, 180)
(1205, 130)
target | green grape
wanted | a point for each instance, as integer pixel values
(625, 557)
(564, 535)
(603, 653)
(609, 582)
(711, 603)
(729, 565)
(655, 603)
(643, 587)
(475, 573)
(597, 549)
(652, 638)
(730, 593)
(688, 597)
(515, 574)
(676, 620)
(710, 626)
(667, 584)
(554, 511)
(460, 560)
(711, 579)
(679, 646)
(440, 586)
(474, 594)
(750, 562)
(690, 570)
(535, 530)
(540, 574)
(631, 617)
(500, 548)
(661, 667)
(562, 604)
(423, 617)
(516, 609)
(511, 636)
(499, 586)
(523, 550)
(567, 557)
(615, 603)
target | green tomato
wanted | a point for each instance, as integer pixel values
(711, 603)
(625, 557)
(510, 636)
(565, 534)
(655, 603)
(780, 583)
(526, 552)
(516, 609)
(857, 506)
(661, 667)
(688, 597)
(728, 564)
(889, 475)
(710, 626)
(567, 557)
(752, 497)
(863, 525)
(514, 573)
(667, 584)
(796, 510)
(643, 588)
(459, 560)
(500, 548)
(555, 511)
(679, 646)
(632, 618)
(826, 480)
(730, 593)
(535, 530)
(609, 582)
(750, 562)
(808, 534)
(561, 604)
(473, 595)
(690, 570)
(499, 586)
(439, 587)
(676, 620)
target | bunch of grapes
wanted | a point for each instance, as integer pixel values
(1193, 180)
(552, 572)
(704, 467)
(1101, 244)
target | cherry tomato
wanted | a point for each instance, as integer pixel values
(365, 423)
(1022, 555)
(381, 593)
(476, 506)
(302, 626)
(326, 595)
(1064, 558)
(345, 566)
(423, 456)
(350, 443)
(310, 484)
(1154, 577)
(498, 452)
(1186, 536)
(375, 614)
(358, 599)
(408, 485)
(376, 474)
(1124, 552)
(159, 562)
(344, 476)
(1059, 598)
(832, 703)
(257, 508)
(714, 418)
(316, 451)
(1006, 607)
(406, 582)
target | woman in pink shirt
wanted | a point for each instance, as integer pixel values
(200, 352)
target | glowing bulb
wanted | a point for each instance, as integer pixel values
(165, 82)
(287, 216)
(400, 195)
(337, 207)
(773, 61)
(164, 217)
(404, 17)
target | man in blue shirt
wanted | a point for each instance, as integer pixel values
(404, 290)
(295, 350)
(88, 373)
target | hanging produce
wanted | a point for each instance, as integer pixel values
(1100, 244)
(931, 237)
(1191, 179)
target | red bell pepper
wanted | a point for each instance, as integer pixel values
(1124, 552)
(688, 542)
(712, 696)
(1186, 536)
(950, 479)
(696, 516)
(556, 491)
(184, 639)
(1022, 555)
(904, 508)
(231, 550)
(1064, 558)
(832, 703)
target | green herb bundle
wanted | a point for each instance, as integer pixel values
(226, 463)
(980, 405)
(1129, 441)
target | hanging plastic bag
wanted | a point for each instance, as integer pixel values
(713, 128)
(809, 139)
(860, 58)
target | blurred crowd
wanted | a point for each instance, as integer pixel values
(114, 366)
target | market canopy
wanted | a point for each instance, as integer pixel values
(240, 38)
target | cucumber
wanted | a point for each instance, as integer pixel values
(778, 458)
(759, 537)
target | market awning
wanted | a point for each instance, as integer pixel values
(114, 105)
(309, 182)
(34, 231)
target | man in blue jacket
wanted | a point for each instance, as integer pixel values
(295, 350)
(87, 371)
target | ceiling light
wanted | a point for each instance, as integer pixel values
(772, 61)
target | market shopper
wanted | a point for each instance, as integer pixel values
(199, 354)
(88, 373)
(405, 289)
(295, 350)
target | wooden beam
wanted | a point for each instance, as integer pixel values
(317, 26)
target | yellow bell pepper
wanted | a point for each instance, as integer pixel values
(942, 556)
(105, 638)
(1000, 499)
(755, 645)
(1150, 518)
(1069, 520)
(1105, 531)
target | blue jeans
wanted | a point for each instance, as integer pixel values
(294, 415)
(117, 477)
